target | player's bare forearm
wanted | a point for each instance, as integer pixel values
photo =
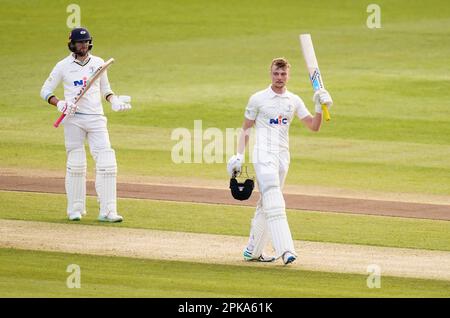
(243, 141)
(313, 123)
(244, 137)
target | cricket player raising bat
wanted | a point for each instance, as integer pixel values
(85, 120)
(271, 111)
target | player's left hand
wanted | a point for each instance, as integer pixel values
(120, 103)
(322, 97)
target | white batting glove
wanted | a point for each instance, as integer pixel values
(67, 108)
(234, 165)
(120, 103)
(322, 97)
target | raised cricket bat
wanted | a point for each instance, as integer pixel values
(313, 68)
(86, 86)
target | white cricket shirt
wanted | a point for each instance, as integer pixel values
(73, 74)
(273, 114)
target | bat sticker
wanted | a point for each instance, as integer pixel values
(316, 80)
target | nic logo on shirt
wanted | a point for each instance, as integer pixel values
(278, 121)
(80, 82)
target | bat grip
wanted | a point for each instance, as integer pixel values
(325, 112)
(59, 120)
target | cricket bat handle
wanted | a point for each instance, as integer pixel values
(325, 112)
(59, 120)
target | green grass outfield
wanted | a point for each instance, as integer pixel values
(43, 274)
(200, 59)
(234, 220)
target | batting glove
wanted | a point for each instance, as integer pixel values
(322, 97)
(67, 108)
(234, 165)
(120, 103)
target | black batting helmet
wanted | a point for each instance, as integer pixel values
(79, 35)
(241, 190)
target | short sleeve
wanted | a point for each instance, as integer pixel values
(252, 108)
(301, 109)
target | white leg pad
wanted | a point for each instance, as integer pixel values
(259, 232)
(105, 182)
(275, 209)
(76, 181)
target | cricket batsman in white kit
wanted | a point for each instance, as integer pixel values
(271, 111)
(86, 120)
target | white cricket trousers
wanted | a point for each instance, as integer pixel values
(93, 128)
(270, 221)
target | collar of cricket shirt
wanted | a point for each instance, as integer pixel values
(272, 94)
(81, 63)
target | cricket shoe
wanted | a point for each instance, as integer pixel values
(110, 217)
(76, 216)
(262, 258)
(288, 258)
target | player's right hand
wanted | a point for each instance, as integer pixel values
(68, 108)
(234, 165)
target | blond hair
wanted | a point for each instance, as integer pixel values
(280, 62)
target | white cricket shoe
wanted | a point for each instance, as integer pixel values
(76, 216)
(110, 217)
(288, 258)
(262, 258)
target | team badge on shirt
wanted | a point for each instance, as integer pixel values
(81, 82)
(278, 121)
